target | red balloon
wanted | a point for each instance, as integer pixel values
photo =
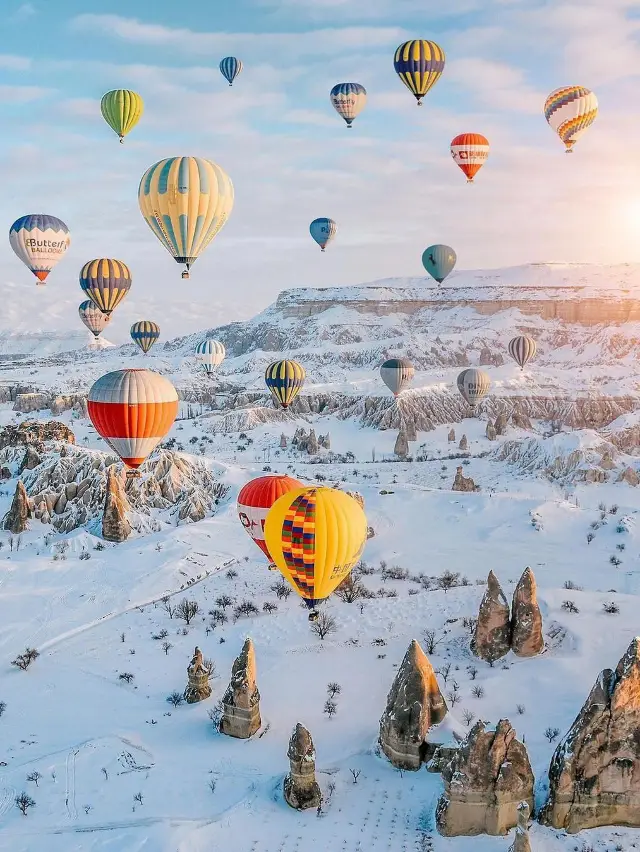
(256, 498)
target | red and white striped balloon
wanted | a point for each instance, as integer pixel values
(133, 410)
(470, 151)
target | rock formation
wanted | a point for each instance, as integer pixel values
(491, 431)
(594, 777)
(492, 637)
(521, 421)
(16, 519)
(630, 476)
(312, 443)
(241, 701)
(198, 673)
(401, 448)
(527, 639)
(31, 459)
(115, 524)
(301, 790)
(27, 402)
(357, 496)
(500, 424)
(485, 783)
(607, 462)
(409, 429)
(463, 483)
(521, 842)
(36, 433)
(451, 437)
(414, 705)
(464, 444)
(283, 441)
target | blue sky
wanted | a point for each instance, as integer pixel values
(390, 183)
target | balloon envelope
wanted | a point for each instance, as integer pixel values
(470, 152)
(122, 110)
(144, 334)
(93, 318)
(210, 354)
(397, 373)
(132, 410)
(285, 380)
(40, 242)
(570, 111)
(348, 100)
(522, 349)
(256, 498)
(323, 231)
(185, 201)
(473, 385)
(230, 67)
(419, 64)
(315, 536)
(106, 282)
(439, 261)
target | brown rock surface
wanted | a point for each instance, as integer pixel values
(492, 638)
(451, 437)
(28, 402)
(630, 476)
(31, 459)
(527, 639)
(16, 519)
(115, 525)
(521, 420)
(521, 842)
(594, 777)
(401, 448)
(485, 783)
(35, 432)
(491, 433)
(463, 483)
(414, 704)
(198, 673)
(464, 444)
(241, 701)
(501, 424)
(301, 790)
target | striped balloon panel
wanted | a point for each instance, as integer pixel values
(299, 542)
(145, 333)
(323, 231)
(230, 67)
(473, 385)
(570, 111)
(132, 410)
(185, 201)
(522, 349)
(210, 354)
(40, 241)
(285, 380)
(106, 282)
(256, 498)
(348, 100)
(470, 152)
(397, 373)
(122, 109)
(93, 317)
(419, 64)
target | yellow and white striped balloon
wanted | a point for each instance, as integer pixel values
(570, 111)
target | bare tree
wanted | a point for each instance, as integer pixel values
(3, 707)
(330, 708)
(447, 580)
(35, 776)
(176, 698)
(169, 608)
(166, 647)
(478, 691)
(431, 641)
(552, 734)
(24, 802)
(126, 676)
(269, 607)
(356, 774)
(282, 589)
(468, 717)
(324, 625)
(138, 798)
(224, 601)
(350, 590)
(454, 698)
(187, 610)
(333, 689)
(444, 671)
(23, 661)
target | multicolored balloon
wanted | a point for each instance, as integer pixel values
(397, 373)
(144, 334)
(419, 64)
(122, 109)
(323, 231)
(473, 385)
(40, 241)
(522, 349)
(209, 355)
(570, 111)
(106, 282)
(315, 536)
(132, 410)
(439, 261)
(285, 380)
(185, 201)
(256, 498)
(470, 152)
(93, 318)
(230, 67)
(348, 100)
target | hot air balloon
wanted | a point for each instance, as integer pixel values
(185, 201)
(522, 349)
(132, 410)
(230, 67)
(473, 385)
(93, 318)
(397, 373)
(323, 231)
(144, 334)
(285, 379)
(439, 261)
(315, 536)
(122, 110)
(40, 241)
(419, 64)
(348, 100)
(470, 151)
(209, 355)
(570, 111)
(256, 498)
(106, 282)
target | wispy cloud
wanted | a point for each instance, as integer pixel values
(496, 85)
(362, 10)
(22, 94)
(23, 13)
(15, 63)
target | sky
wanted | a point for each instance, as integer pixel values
(389, 183)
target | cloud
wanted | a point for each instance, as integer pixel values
(15, 63)
(22, 94)
(496, 85)
(362, 10)
(23, 13)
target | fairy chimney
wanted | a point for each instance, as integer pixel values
(521, 842)
(464, 444)
(527, 639)
(16, 519)
(451, 437)
(401, 448)
(115, 524)
(241, 701)
(492, 638)
(198, 672)
(301, 790)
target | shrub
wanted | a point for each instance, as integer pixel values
(126, 676)
(552, 734)
(23, 661)
(3, 707)
(571, 586)
(590, 537)
(223, 602)
(448, 580)
(218, 617)
(569, 606)
(245, 610)
(611, 608)
(24, 802)
(231, 574)
(269, 607)
(395, 573)
(615, 561)
(84, 555)
(330, 708)
(521, 709)
(333, 689)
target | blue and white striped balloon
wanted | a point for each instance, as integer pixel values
(210, 354)
(348, 100)
(323, 231)
(230, 67)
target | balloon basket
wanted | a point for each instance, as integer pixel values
(133, 474)
(185, 276)
(313, 615)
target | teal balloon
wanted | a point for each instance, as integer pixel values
(439, 261)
